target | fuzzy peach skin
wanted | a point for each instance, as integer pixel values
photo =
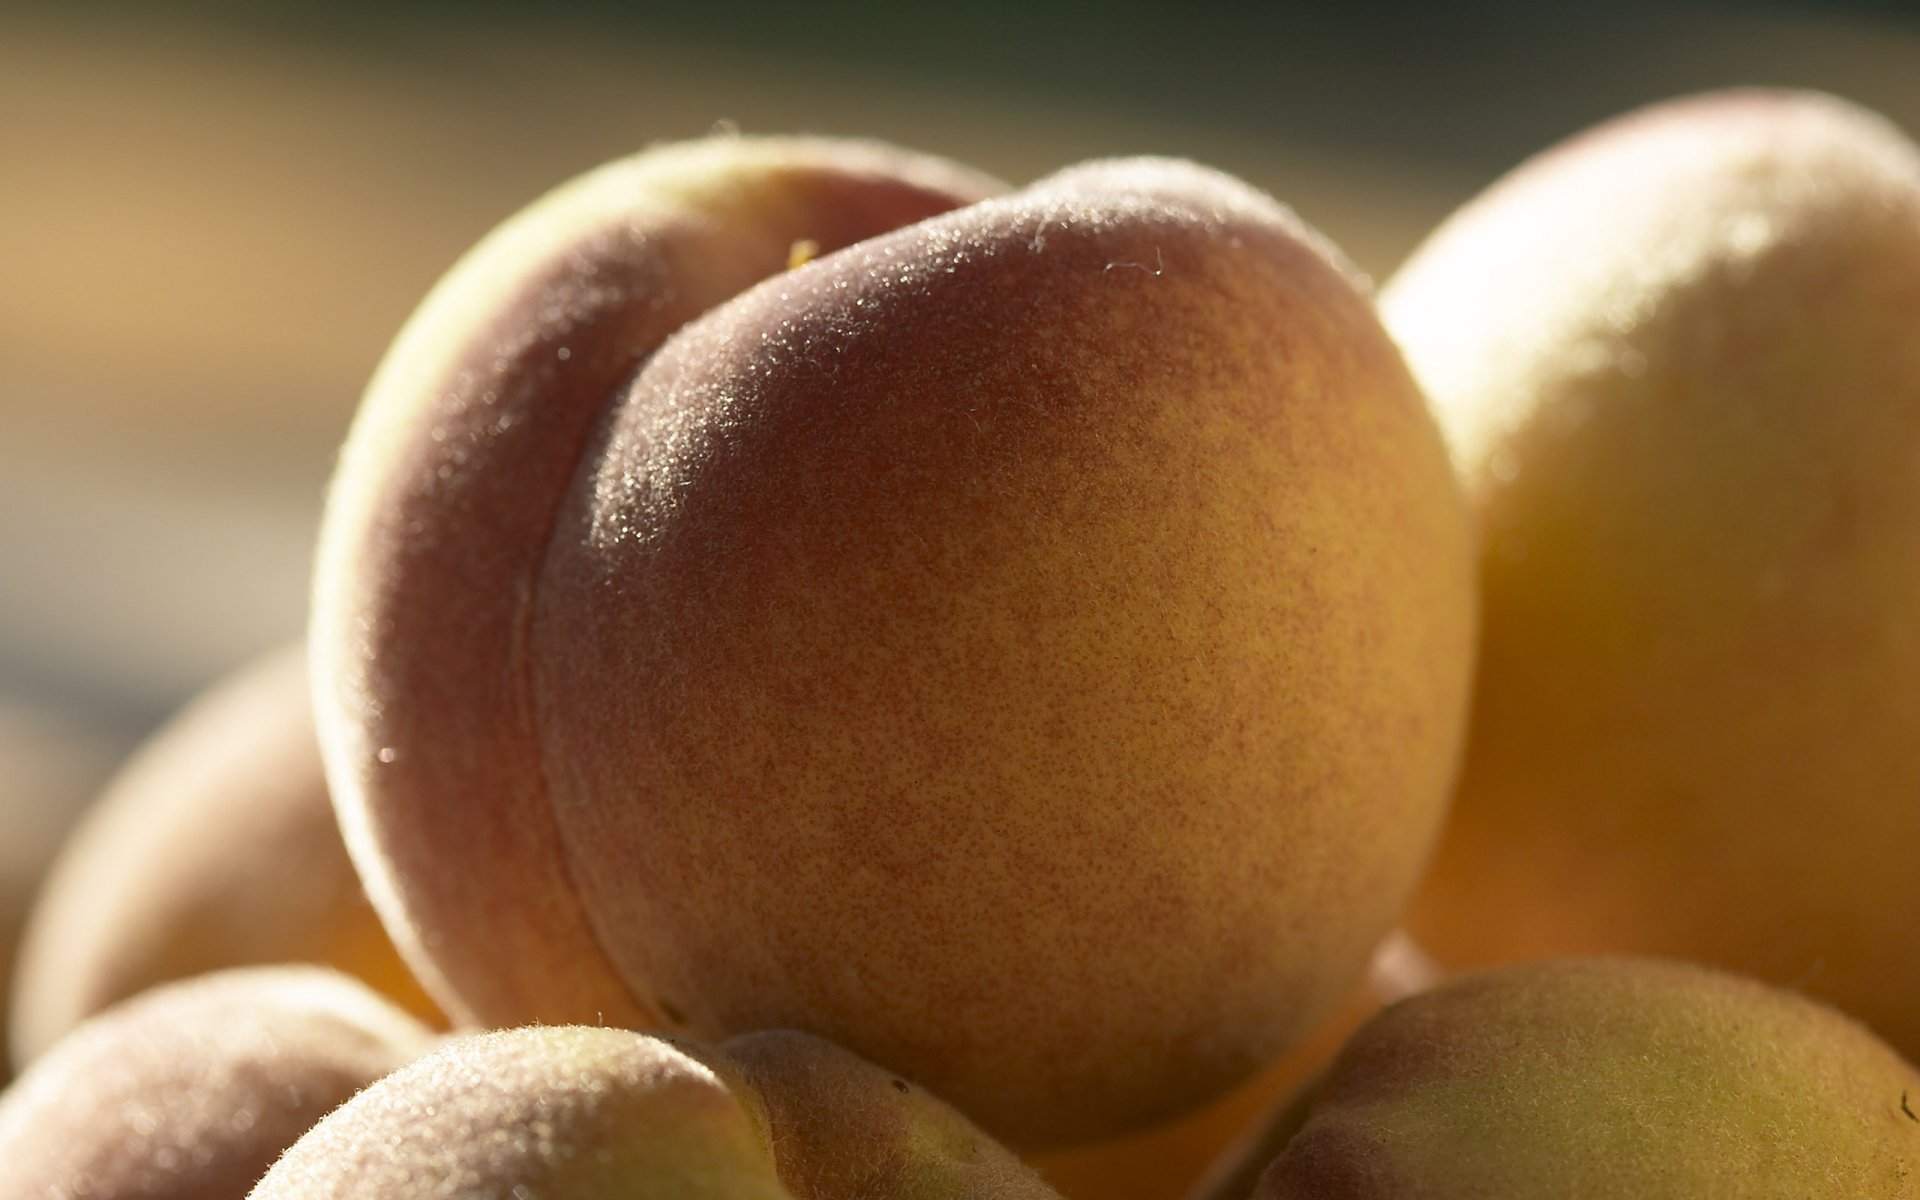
(191, 1090)
(1607, 1079)
(1029, 648)
(1678, 364)
(577, 1113)
(216, 846)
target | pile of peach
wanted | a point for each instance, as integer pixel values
(845, 682)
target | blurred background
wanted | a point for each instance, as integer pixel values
(213, 216)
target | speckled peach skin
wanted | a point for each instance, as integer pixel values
(191, 1090)
(1607, 1079)
(578, 1113)
(1677, 362)
(1029, 648)
(216, 846)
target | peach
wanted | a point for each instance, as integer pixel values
(49, 769)
(216, 846)
(1677, 362)
(1608, 1078)
(576, 1113)
(442, 508)
(1028, 647)
(191, 1090)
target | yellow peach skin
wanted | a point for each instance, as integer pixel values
(1608, 1079)
(1677, 362)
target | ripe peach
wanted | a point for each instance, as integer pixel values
(1604, 1079)
(1678, 364)
(575, 1113)
(1028, 647)
(216, 846)
(190, 1091)
(443, 506)
(48, 770)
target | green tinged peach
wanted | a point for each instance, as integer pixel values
(1608, 1078)
(191, 1090)
(216, 846)
(577, 1113)
(1028, 647)
(1676, 359)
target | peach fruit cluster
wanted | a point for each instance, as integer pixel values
(835, 675)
